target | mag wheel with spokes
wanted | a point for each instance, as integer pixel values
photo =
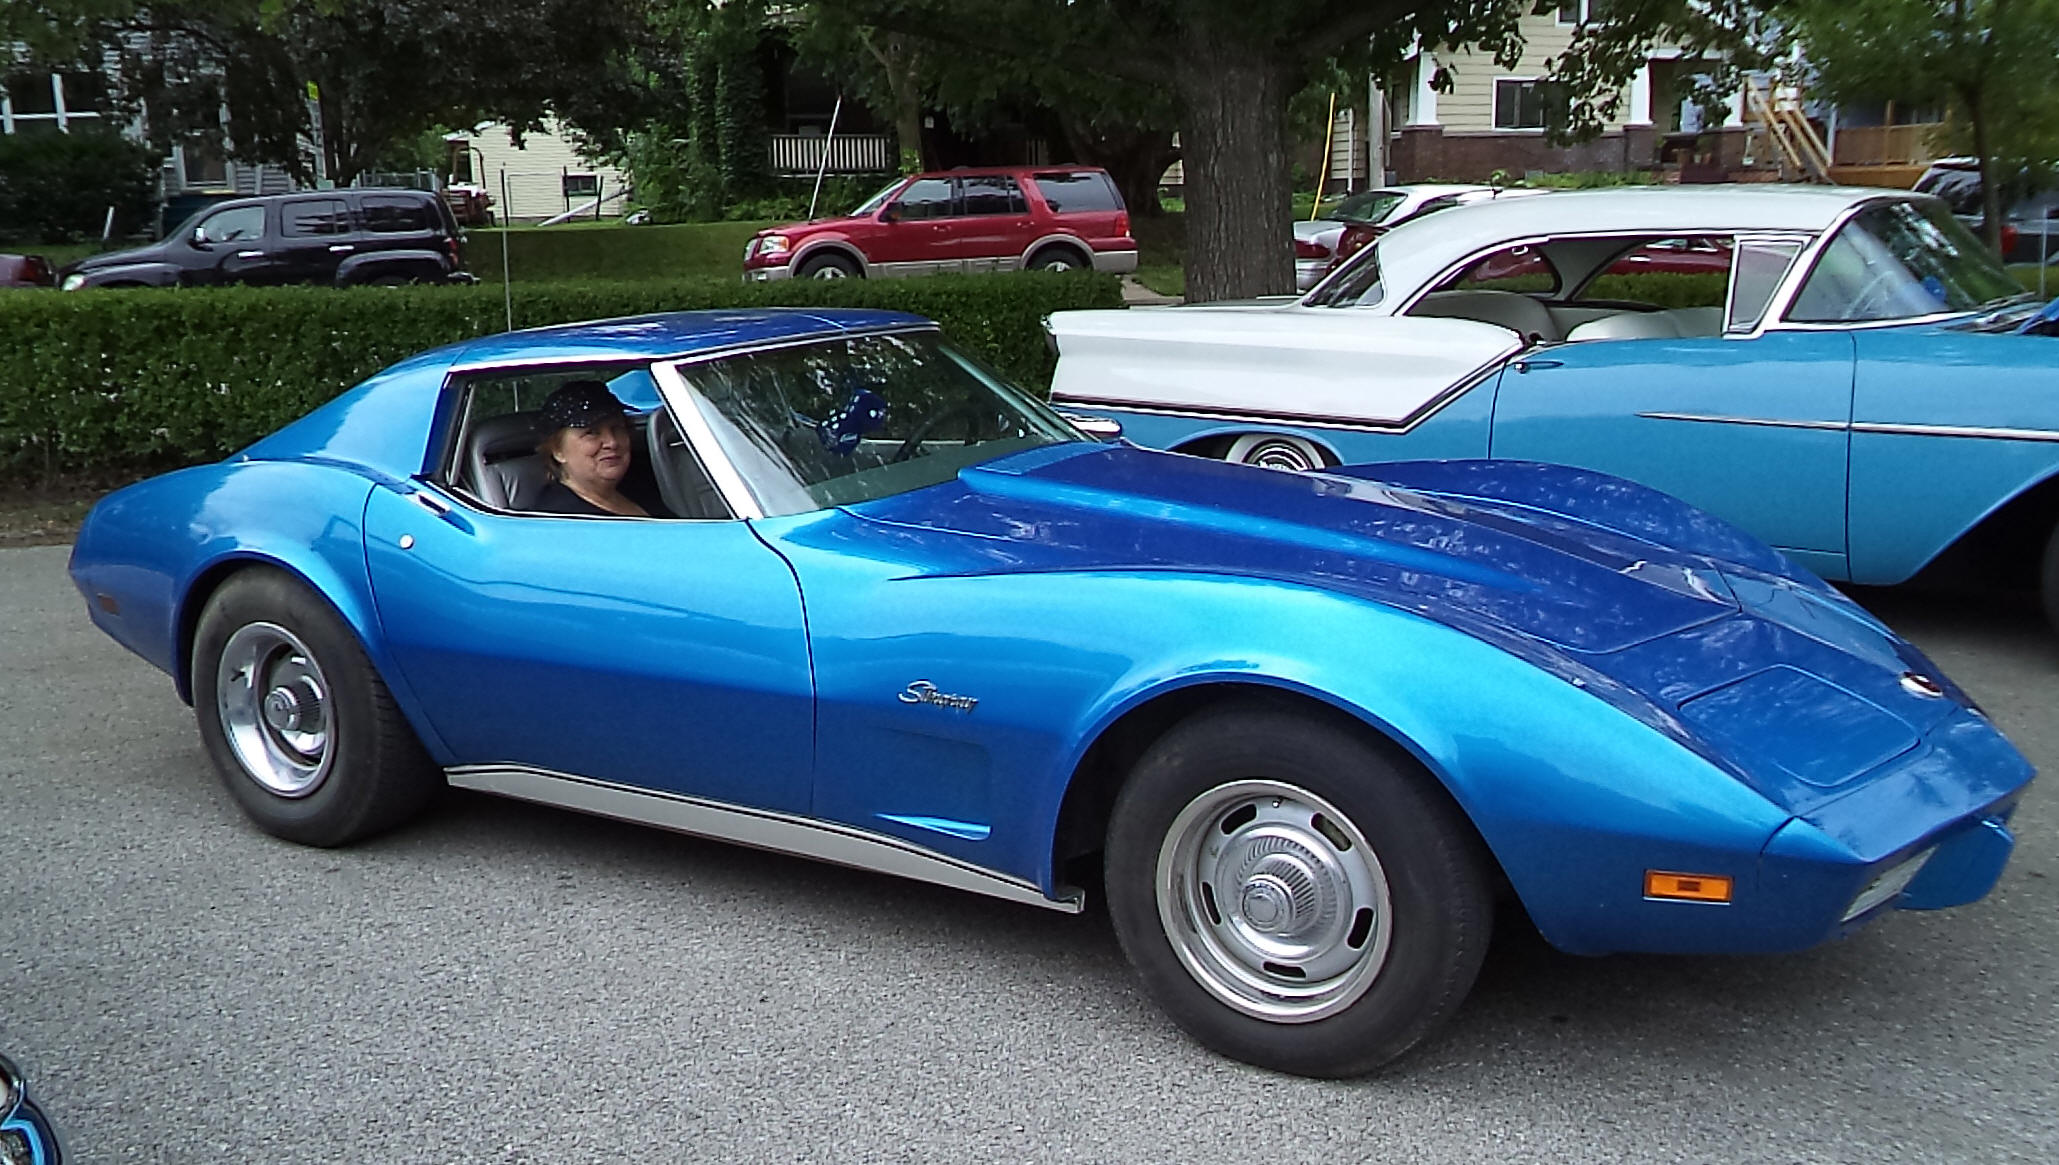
(297, 722)
(1293, 893)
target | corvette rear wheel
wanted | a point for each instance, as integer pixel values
(295, 719)
(1293, 894)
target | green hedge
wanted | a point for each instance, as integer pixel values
(110, 383)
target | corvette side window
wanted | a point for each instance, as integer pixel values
(495, 456)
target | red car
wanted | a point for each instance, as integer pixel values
(26, 271)
(1007, 218)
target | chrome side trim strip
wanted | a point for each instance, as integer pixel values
(784, 833)
(1973, 432)
(1763, 422)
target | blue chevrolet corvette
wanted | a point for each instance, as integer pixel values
(901, 616)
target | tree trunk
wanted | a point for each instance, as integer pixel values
(900, 60)
(1990, 187)
(1239, 187)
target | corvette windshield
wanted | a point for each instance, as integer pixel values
(849, 420)
(1901, 260)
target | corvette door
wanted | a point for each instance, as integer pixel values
(1755, 430)
(661, 654)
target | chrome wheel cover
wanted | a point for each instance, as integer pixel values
(1279, 455)
(275, 709)
(1273, 901)
(830, 271)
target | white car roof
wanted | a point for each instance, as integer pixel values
(1418, 251)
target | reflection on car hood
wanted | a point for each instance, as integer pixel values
(1077, 507)
(1765, 670)
(146, 254)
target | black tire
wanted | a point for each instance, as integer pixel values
(830, 266)
(1292, 792)
(1060, 259)
(2048, 579)
(367, 774)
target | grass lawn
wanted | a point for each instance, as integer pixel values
(609, 250)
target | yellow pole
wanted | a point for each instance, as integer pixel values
(1323, 175)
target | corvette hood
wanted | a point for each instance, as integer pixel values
(1494, 569)
(1764, 670)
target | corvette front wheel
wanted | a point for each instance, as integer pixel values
(297, 721)
(1293, 894)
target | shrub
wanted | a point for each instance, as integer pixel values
(57, 188)
(124, 382)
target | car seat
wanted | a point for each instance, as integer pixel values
(502, 465)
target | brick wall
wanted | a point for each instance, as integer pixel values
(1426, 152)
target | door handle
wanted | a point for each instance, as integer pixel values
(340, 248)
(1527, 364)
(442, 509)
(250, 254)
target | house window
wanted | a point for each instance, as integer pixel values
(1572, 12)
(40, 102)
(1518, 103)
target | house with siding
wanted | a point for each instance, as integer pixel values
(546, 174)
(1491, 118)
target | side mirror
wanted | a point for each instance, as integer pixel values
(891, 213)
(1099, 428)
(198, 238)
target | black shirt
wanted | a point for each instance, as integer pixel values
(559, 498)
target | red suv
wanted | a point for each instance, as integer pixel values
(1054, 218)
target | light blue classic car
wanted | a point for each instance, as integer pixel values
(1846, 373)
(1301, 730)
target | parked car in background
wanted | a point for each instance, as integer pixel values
(1362, 218)
(1304, 733)
(1316, 239)
(1053, 218)
(2030, 222)
(26, 1135)
(338, 237)
(1861, 384)
(26, 271)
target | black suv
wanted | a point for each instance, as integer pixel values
(338, 237)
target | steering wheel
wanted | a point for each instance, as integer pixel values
(971, 414)
(663, 442)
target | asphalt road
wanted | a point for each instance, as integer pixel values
(502, 983)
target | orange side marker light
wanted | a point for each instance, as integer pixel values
(1675, 887)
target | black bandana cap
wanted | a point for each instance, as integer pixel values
(578, 404)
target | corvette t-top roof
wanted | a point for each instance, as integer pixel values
(683, 333)
(1423, 248)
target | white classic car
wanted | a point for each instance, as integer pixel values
(1847, 373)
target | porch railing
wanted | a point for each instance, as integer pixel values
(848, 153)
(1885, 145)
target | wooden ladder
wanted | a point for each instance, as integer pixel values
(1780, 116)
